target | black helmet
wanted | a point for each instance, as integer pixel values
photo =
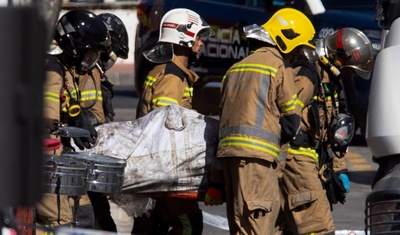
(82, 36)
(119, 35)
(341, 132)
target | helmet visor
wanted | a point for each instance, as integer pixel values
(365, 70)
(89, 60)
(107, 60)
(205, 33)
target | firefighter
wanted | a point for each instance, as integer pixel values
(317, 152)
(258, 115)
(71, 93)
(171, 82)
(119, 49)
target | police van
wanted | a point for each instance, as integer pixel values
(229, 45)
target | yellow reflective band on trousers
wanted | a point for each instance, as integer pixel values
(164, 101)
(309, 152)
(289, 105)
(249, 143)
(150, 81)
(257, 68)
(188, 92)
(50, 96)
(187, 226)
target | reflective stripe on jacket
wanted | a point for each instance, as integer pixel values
(309, 152)
(91, 94)
(255, 93)
(166, 84)
(86, 87)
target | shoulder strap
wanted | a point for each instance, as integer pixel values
(311, 67)
(172, 68)
(54, 64)
(316, 81)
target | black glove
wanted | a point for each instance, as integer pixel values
(334, 188)
(108, 94)
(85, 120)
(290, 125)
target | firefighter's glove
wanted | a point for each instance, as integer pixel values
(344, 180)
(213, 197)
(85, 120)
(108, 93)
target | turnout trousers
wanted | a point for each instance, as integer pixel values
(252, 195)
(305, 205)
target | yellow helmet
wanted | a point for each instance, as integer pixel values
(290, 28)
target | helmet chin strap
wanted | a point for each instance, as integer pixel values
(192, 58)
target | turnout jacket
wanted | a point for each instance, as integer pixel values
(257, 94)
(166, 84)
(63, 87)
(308, 82)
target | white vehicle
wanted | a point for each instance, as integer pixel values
(383, 126)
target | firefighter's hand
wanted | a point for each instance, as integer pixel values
(213, 197)
(344, 180)
(85, 121)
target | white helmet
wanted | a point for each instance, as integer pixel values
(181, 26)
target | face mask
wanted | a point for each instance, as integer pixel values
(88, 62)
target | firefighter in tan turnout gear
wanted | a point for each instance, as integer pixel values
(72, 88)
(258, 115)
(317, 152)
(170, 82)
